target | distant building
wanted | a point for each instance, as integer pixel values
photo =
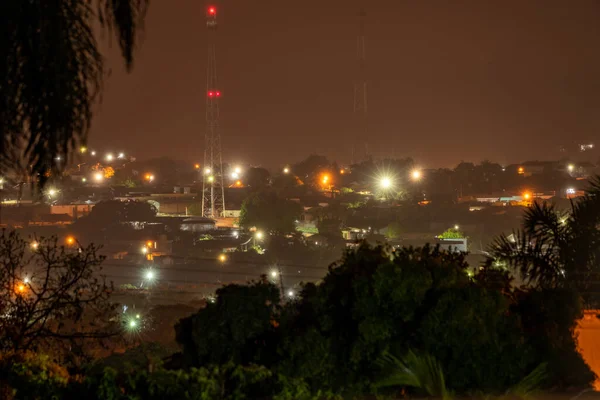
(75, 211)
(231, 213)
(198, 224)
(453, 245)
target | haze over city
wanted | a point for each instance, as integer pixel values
(468, 80)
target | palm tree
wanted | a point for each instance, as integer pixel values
(557, 249)
(51, 74)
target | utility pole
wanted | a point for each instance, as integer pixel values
(213, 190)
(360, 93)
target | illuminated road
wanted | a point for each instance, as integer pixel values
(206, 275)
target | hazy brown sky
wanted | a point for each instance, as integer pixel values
(448, 80)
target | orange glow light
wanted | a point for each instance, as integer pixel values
(526, 196)
(197, 166)
(70, 240)
(21, 288)
(521, 170)
(149, 243)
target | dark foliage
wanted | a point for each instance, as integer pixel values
(51, 74)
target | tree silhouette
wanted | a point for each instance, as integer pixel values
(51, 75)
(557, 249)
(51, 298)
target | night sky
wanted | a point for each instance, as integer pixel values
(448, 80)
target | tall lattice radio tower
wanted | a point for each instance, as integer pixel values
(213, 191)
(360, 92)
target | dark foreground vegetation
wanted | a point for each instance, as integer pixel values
(381, 321)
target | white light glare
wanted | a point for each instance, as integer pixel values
(385, 182)
(149, 275)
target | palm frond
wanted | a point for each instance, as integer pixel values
(531, 384)
(52, 76)
(535, 259)
(420, 371)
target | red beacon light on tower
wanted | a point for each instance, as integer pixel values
(213, 93)
(212, 11)
(218, 94)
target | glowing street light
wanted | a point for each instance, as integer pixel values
(109, 157)
(26, 280)
(211, 178)
(84, 180)
(237, 170)
(144, 250)
(456, 227)
(571, 167)
(52, 192)
(207, 171)
(222, 258)
(196, 166)
(70, 240)
(274, 274)
(98, 176)
(415, 174)
(259, 235)
(82, 149)
(290, 293)
(149, 275)
(121, 155)
(325, 179)
(235, 175)
(286, 170)
(149, 177)
(526, 196)
(34, 245)
(385, 182)
(93, 153)
(21, 288)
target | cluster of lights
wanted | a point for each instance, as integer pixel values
(149, 177)
(214, 93)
